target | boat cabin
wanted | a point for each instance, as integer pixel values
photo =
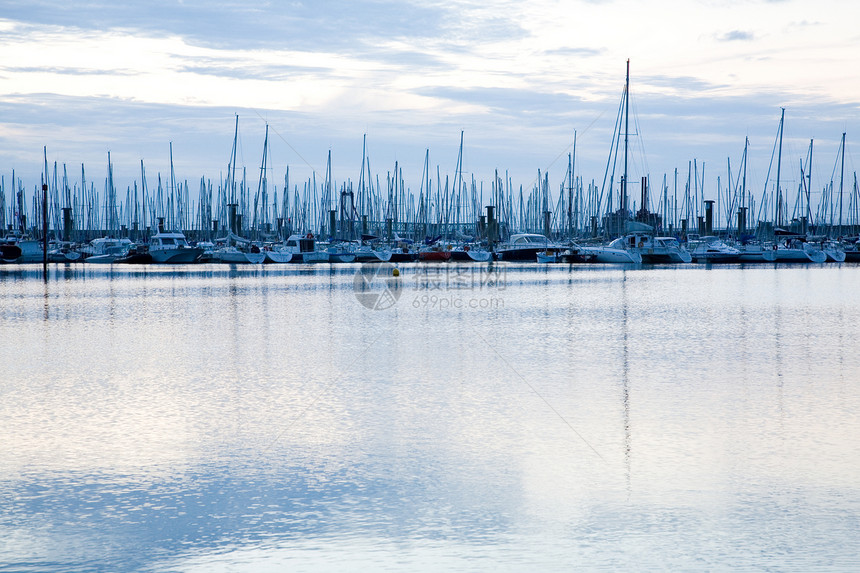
(298, 244)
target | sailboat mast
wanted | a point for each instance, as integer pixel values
(778, 166)
(626, 135)
(744, 184)
(809, 184)
(841, 181)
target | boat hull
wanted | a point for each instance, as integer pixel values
(434, 256)
(101, 259)
(835, 255)
(717, 258)
(315, 257)
(341, 258)
(610, 255)
(794, 256)
(525, 254)
(134, 259)
(278, 257)
(239, 258)
(403, 257)
(175, 256)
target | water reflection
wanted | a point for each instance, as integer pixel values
(241, 418)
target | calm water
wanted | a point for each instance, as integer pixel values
(514, 418)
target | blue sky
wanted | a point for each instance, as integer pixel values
(86, 78)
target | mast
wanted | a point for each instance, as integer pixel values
(744, 183)
(809, 184)
(778, 166)
(841, 181)
(626, 134)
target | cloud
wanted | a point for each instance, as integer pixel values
(736, 36)
(576, 52)
(71, 71)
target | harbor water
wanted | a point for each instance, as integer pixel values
(453, 418)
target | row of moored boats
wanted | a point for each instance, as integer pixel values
(634, 248)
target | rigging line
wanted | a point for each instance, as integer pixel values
(319, 395)
(287, 142)
(570, 145)
(536, 393)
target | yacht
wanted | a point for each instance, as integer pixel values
(525, 247)
(654, 250)
(15, 248)
(105, 250)
(794, 251)
(304, 250)
(710, 249)
(611, 255)
(172, 248)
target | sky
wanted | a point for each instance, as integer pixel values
(79, 80)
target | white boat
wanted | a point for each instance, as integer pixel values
(471, 252)
(834, 251)
(233, 256)
(277, 255)
(524, 247)
(105, 250)
(63, 252)
(340, 253)
(710, 249)
(611, 255)
(20, 249)
(654, 250)
(303, 249)
(752, 252)
(794, 251)
(172, 248)
(549, 256)
(851, 248)
(365, 253)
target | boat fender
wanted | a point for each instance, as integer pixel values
(641, 244)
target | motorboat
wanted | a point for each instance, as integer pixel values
(105, 250)
(710, 249)
(524, 247)
(303, 249)
(15, 248)
(654, 250)
(172, 248)
(611, 255)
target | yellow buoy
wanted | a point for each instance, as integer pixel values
(396, 272)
